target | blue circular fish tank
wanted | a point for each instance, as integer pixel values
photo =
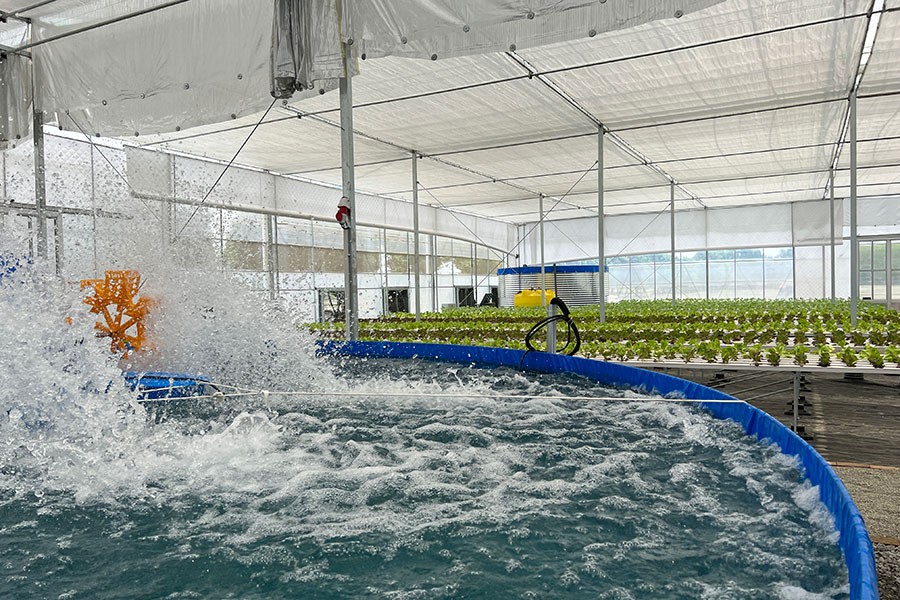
(434, 471)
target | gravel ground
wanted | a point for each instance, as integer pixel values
(887, 562)
(875, 492)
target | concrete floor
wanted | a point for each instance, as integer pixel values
(855, 425)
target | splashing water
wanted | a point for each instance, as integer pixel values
(354, 496)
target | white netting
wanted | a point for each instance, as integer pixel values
(883, 70)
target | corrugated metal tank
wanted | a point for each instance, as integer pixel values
(577, 285)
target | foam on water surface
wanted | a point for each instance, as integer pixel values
(356, 496)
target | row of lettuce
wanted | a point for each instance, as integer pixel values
(779, 332)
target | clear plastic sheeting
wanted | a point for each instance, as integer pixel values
(291, 145)
(156, 176)
(15, 98)
(811, 223)
(196, 63)
(307, 51)
(877, 216)
(189, 64)
(441, 28)
(741, 102)
(773, 225)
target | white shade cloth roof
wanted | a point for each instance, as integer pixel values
(740, 102)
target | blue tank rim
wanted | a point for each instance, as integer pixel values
(853, 541)
(549, 269)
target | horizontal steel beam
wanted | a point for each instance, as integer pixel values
(259, 210)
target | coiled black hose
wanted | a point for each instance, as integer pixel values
(571, 331)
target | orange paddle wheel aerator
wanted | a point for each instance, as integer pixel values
(122, 313)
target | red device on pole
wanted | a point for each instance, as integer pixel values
(343, 213)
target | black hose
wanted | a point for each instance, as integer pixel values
(571, 331)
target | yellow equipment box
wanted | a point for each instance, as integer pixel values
(531, 297)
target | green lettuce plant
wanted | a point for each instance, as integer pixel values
(799, 353)
(774, 354)
(709, 351)
(754, 353)
(848, 356)
(824, 353)
(729, 354)
(873, 355)
(892, 354)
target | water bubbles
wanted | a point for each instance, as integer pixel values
(537, 496)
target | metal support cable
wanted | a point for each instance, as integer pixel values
(118, 173)
(601, 63)
(222, 174)
(725, 197)
(874, 20)
(267, 394)
(455, 216)
(691, 182)
(536, 225)
(591, 65)
(440, 160)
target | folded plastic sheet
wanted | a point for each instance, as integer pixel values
(15, 98)
(854, 539)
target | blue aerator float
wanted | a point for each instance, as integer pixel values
(161, 386)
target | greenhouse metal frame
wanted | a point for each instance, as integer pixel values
(652, 128)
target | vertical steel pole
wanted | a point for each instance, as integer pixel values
(415, 183)
(854, 246)
(312, 256)
(351, 297)
(58, 244)
(94, 218)
(601, 252)
(796, 410)
(672, 234)
(831, 221)
(551, 329)
(706, 243)
(475, 295)
(270, 256)
(40, 189)
(275, 267)
(434, 278)
(386, 292)
(543, 265)
(520, 246)
(793, 260)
